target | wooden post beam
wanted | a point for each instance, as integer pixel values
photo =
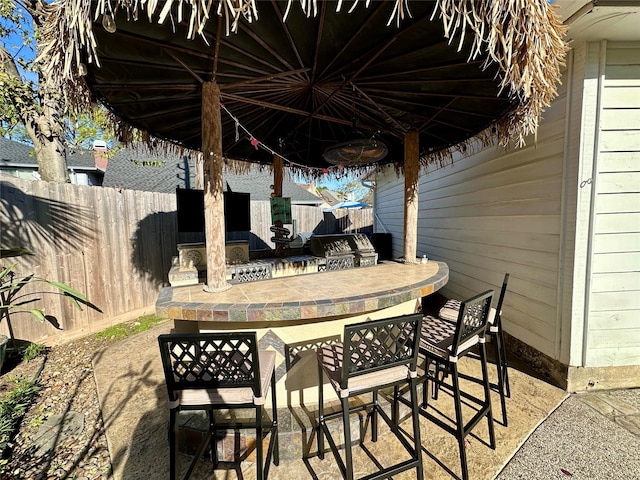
(213, 188)
(411, 173)
(277, 175)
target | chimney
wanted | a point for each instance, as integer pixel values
(100, 154)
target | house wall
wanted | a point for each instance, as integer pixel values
(492, 212)
(84, 178)
(562, 215)
(31, 173)
(26, 174)
(611, 329)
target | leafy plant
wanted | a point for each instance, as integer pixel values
(115, 332)
(32, 351)
(122, 330)
(12, 298)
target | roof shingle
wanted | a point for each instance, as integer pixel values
(143, 170)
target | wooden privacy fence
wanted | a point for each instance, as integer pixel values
(114, 246)
(306, 219)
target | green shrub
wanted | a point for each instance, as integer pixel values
(115, 332)
(145, 323)
(32, 351)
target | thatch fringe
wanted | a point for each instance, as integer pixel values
(525, 39)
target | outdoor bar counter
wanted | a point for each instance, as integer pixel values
(309, 298)
(294, 315)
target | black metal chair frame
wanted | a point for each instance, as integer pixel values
(472, 321)
(214, 367)
(371, 347)
(494, 330)
(497, 334)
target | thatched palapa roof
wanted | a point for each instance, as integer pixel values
(296, 75)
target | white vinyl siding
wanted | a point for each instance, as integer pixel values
(389, 209)
(613, 332)
(493, 212)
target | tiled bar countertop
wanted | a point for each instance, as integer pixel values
(313, 297)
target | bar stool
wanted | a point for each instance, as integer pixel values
(220, 371)
(450, 311)
(442, 344)
(373, 355)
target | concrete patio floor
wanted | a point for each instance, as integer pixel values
(133, 397)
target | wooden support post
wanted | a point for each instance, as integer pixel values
(277, 192)
(213, 188)
(411, 171)
(277, 176)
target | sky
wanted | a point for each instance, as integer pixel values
(14, 43)
(329, 180)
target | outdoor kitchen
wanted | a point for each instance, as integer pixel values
(309, 254)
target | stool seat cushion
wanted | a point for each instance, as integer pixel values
(451, 309)
(437, 337)
(330, 357)
(232, 396)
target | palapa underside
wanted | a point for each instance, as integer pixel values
(297, 76)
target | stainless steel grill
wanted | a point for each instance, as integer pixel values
(344, 251)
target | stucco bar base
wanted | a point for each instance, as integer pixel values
(572, 378)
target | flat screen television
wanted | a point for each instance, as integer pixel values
(190, 207)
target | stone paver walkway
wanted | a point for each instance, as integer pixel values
(620, 406)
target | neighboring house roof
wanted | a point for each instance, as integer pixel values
(81, 160)
(259, 186)
(16, 154)
(134, 169)
(331, 197)
(139, 169)
(20, 155)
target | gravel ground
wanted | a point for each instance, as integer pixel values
(580, 442)
(67, 386)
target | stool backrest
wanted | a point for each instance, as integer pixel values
(378, 344)
(472, 320)
(503, 291)
(210, 360)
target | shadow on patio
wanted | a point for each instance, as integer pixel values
(133, 401)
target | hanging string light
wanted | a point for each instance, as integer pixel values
(258, 144)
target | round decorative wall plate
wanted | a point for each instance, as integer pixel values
(237, 255)
(194, 256)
